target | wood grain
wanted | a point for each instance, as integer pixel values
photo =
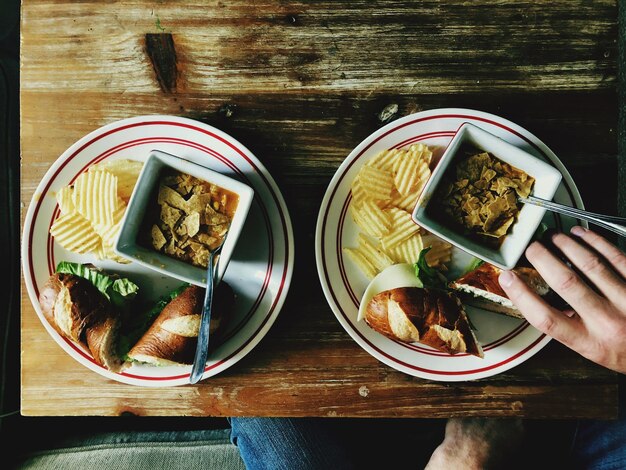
(403, 47)
(292, 373)
(301, 84)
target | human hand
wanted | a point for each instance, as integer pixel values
(595, 326)
(477, 444)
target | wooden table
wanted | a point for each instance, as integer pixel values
(301, 84)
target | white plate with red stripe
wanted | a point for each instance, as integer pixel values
(507, 341)
(259, 271)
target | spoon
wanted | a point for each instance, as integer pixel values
(608, 222)
(202, 349)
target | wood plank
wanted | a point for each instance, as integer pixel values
(308, 366)
(256, 47)
(303, 139)
(293, 135)
(301, 84)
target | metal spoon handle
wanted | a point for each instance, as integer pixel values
(202, 349)
(608, 222)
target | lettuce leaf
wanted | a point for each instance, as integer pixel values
(120, 291)
(134, 328)
(433, 279)
(429, 276)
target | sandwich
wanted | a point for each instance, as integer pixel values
(429, 316)
(173, 336)
(85, 305)
(480, 288)
(99, 312)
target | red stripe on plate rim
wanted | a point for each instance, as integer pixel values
(325, 219)
(229, 144)
(113, 150)
(344, 276)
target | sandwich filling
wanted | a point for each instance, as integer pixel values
(481, 293)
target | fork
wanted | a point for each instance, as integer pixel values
(608, 222)
(202, 349)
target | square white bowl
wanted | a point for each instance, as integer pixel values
(547, 180)
(126, 244)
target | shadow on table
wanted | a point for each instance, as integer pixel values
(373, 441)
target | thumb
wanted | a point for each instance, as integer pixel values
(538, 313)
(524, 298)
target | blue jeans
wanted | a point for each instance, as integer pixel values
(600, 445)
(311, 444)
(288, 444)
(334, 443)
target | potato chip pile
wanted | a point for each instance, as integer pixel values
(384, 193)
(481, 194)
(193, 218)
(93, 207)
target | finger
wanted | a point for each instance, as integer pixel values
(567, 330)
(592, 266)
(568, 312)
(615, 257)
(563, 280)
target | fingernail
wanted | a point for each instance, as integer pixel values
(506, 278)
(533, 247)
(578, 231)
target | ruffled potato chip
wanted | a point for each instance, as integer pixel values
(402, 228)
(75, 233)
(384, 193)
(362, 262)
(95, 196)
(65, 200)
(358, 194)
(126, 171)
(403, 202)
(108, 232)
(408, 251)
(379, 259)
(93, 207)
(376, 184)
(372, 219)
(386, 159)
